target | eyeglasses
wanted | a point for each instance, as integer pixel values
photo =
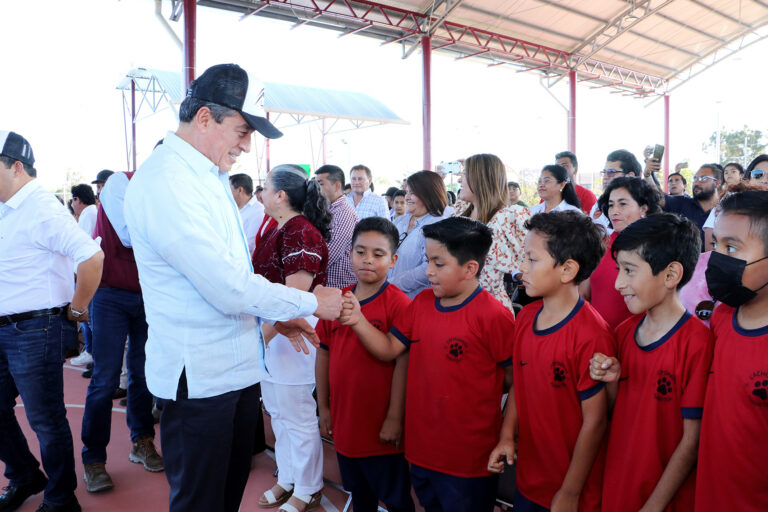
(757, 174)
(544, 181)
(611, 172)
(704, 178)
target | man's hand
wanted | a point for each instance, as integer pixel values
(651, 165)
(81, 318)
(603, 368)
(391, 431)
(565, 502)
(504, 452)
(328, 303)
(350, 312)
(296, 331)
(325, 423)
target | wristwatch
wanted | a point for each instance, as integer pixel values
(75, 313)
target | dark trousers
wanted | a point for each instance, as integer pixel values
(31, 360)
(116, 314)
(440, 492)
(380, 477)
(207, 446)
(523, 504)
(260, 439)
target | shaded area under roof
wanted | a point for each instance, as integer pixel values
(324, 103)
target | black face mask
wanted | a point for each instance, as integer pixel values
(724, 275)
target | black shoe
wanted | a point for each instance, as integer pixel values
(123, 402)
(15, 496)
(119, 393)
(71, 506)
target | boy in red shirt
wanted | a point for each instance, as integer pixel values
(659, 375)
(367, 396)
(460, 340)
(734, 432)
(557, 410)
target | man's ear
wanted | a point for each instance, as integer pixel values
(203, 118)
(568, 271)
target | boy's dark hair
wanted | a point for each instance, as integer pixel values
(464, 238)
(378, 225)
(334, 172)
(399, 193)
(753, 204)
(569, 155)
(84, 193)
(685, 182)
(641, 191)
(628, 161)
(660, 240)
(242, 180)
(571, 236)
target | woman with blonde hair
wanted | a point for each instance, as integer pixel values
(484, 188)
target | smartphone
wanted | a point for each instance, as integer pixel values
(658, 152)
(451, 167)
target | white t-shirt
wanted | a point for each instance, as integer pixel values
(563, 206)
(710, 222)
(87, 219)
(252, 213)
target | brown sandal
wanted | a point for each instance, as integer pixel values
(269, 500)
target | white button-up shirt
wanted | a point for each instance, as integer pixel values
(39, 241)
(201, 297)
(87, 219)
(252, 213)
(371, 205)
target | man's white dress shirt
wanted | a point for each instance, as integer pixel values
(39, 242)
(252, 213)
(201, 297)
(87, 219)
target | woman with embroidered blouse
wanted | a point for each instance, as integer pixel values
(425, 201)
(294, 253)
(485, 195)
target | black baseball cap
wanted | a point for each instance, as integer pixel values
(15, 146)
(103, 175)
(230, 86)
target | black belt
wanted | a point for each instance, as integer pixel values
(18, 317)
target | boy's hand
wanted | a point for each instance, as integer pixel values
(391, 431)
(324, 421)
(565, 502)
(504, 452)
(350, 310)
(604, 369)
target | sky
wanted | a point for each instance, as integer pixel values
(63, 61)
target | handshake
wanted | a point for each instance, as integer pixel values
(331, 305)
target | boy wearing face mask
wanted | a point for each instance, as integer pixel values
(734, 441)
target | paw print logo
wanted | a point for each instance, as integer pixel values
(559, 374)
(378, 324)
(455, 349)
(665, 386)
(757, 387)
(760, 390)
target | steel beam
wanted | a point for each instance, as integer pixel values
(426, 108)
(572, 112)
(666, 142)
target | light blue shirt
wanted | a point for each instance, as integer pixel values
(112, 198)
(371, 205)
(201, 297)
(410, 272)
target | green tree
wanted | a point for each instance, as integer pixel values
(738, 145)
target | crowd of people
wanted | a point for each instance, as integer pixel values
(608, 348)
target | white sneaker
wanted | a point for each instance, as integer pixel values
(82, 360)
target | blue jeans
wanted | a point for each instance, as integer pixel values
(87, 336)
(117, 314)
(31, 361)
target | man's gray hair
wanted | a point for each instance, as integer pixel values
(190, 106)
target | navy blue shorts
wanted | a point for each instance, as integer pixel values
(523, 504)
(440, 492)
(379, 477)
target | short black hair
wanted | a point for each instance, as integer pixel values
(334, 172)
(84, 193)
(399, 193)
(347, 187)
(737, 165)
(390, 192)
(660, 240)
(685, 182)
(8, 162)
(259, 188)
(190, 106)
(628, 161)
(378, 225)
(716, 169)
(569, 155)
(464, 238)
(753, 204)
(571, 235)
(641, 191)
(242, 180)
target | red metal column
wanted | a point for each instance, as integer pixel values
(426, 110)
(133, 122)
(190, 40)
(572, 112)
(268, 167)
(666, 141)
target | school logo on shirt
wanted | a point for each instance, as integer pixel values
(758, 388)
(378, 324)
(665, 386)
(559, 374)
(454, 349)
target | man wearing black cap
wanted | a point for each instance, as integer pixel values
(101, 179)
(39, 241)
(203, 303)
